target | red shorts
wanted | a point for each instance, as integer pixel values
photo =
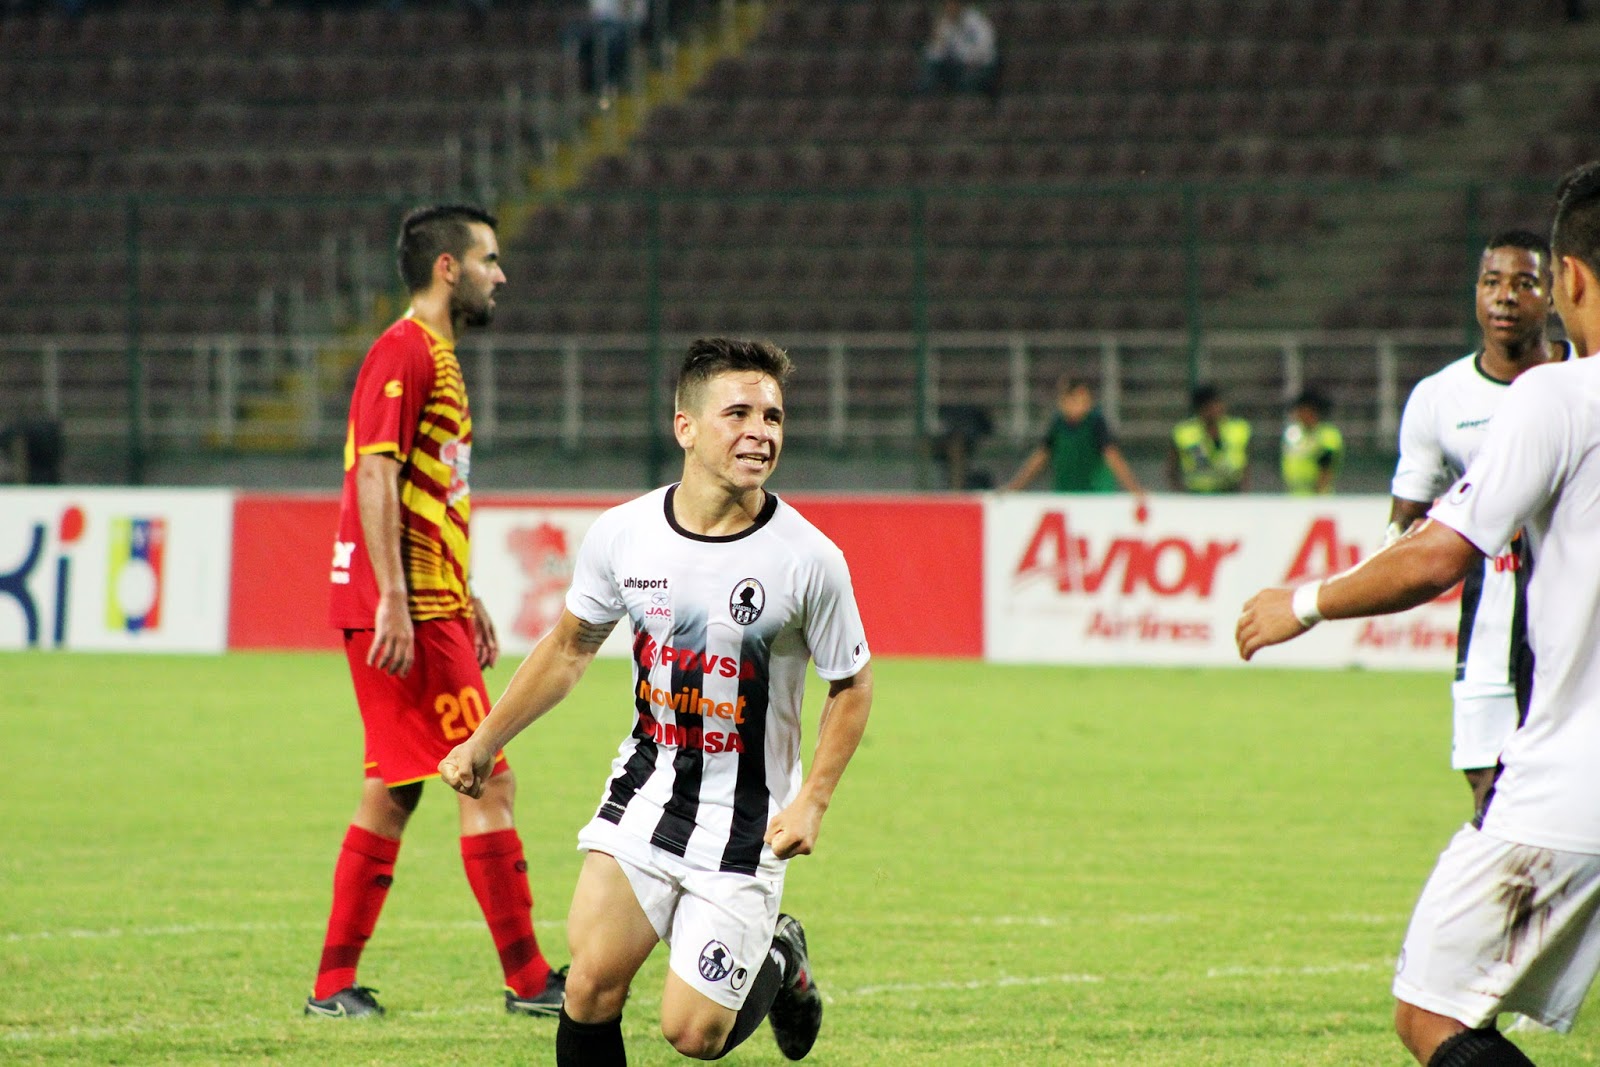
(413, 722)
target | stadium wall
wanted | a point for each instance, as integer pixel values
(1024, 578)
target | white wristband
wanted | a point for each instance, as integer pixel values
(1304, 604)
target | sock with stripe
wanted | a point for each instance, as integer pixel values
(498, 875)
(763, 991)
(589, 1044)
(361, 881)
(1478, 1048)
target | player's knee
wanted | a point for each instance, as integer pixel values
(697, 1038)
(591, 996)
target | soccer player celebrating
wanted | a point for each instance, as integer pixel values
(1445, 421)
(728, 592)
(1506, 922)
(416, 638)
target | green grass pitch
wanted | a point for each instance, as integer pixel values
(1023, 866)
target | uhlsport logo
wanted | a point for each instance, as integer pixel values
(716, 962)
(133, 574)
(747, 602)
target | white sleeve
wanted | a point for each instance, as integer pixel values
(594, 595)
(1520, 467)
(1420, 474)
(833, 629)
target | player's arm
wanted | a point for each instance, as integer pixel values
(793, 831)
(485, 640)
(1030, 469)
(541, 682)
(1403, 515)
(378, 500)
(1122, 471)
(1412, 571)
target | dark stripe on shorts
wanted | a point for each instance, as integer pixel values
(750, 797)
(678, 814)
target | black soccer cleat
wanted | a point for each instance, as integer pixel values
(545, 1002)
(796, 1015)
(351, 1002)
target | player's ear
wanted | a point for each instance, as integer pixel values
(446, 268)
(683, 428)
(1577, 279)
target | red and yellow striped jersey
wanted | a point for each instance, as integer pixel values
(409, 402)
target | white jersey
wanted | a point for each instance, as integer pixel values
(1539, 470)
(1446, 420)
(722, 630)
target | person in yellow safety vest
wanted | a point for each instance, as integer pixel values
(1211, 450)
(1313, 448)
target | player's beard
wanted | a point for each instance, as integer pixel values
(471, 312)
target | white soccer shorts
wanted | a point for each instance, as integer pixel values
(1485, 719)
(1502, 927)
(717, 924)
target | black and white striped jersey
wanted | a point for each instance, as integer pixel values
(723, 628)
(1446, 420)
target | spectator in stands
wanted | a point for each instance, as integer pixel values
(961, 56)
(1313, 447)
(1079, 447)
(1211, 449)
(602, 41)
(31, 450)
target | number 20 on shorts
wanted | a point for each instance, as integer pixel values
(459, 713)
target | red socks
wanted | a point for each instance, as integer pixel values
(499, 878)
(361, 881)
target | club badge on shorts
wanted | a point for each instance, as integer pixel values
(716, 962)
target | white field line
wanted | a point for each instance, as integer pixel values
(198, 929)
(1041, 921)
(80, 1033)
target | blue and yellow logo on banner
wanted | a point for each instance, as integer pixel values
(133, 574)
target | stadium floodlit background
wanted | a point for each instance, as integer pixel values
(1130, 866)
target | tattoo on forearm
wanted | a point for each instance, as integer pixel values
(592, 635)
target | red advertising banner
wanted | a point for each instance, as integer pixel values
(916, 563)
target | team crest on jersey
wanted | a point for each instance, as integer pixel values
(716, 962)
(747, 602)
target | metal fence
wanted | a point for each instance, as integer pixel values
(577, 393)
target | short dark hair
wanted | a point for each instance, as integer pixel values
(1069, 382)
(1523, 239)
(710, 356)
(1203, 394)
(1315, 399)
(1576, 230)
(427, 233)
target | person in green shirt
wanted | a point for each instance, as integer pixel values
(1079, 447)
(1313, 447)
(1210, 450)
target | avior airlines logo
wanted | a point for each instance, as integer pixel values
(1168, 567)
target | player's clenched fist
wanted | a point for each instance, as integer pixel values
(465, 771)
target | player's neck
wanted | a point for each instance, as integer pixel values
(1505, 362)
(714, 510)
(433, 311)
